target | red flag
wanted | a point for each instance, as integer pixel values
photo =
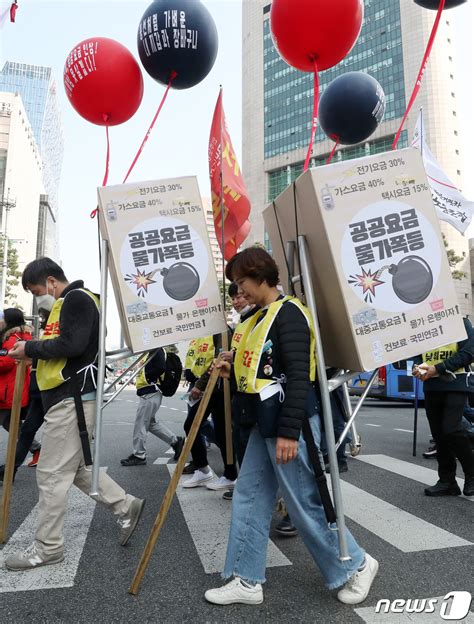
(13, 10)
(228, 191)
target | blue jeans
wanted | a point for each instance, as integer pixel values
(253, 504)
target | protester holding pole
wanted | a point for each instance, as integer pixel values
(444, 373)
(66, 374)
(12, 329)
(275, 372)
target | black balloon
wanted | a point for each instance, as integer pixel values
(351, 108)
(434, 4)
(412, 279)
(177, 36)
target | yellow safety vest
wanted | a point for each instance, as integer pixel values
(440, 355)
(239, 333)
(201, 354)
(250, 345)
(141, 381)
(49, 373)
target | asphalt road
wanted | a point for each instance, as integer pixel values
(424, 545)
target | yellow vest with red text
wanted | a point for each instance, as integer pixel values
(441, 354)
(49, 373)
(200, 355)
(250, 343)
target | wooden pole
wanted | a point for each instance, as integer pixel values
(170, 492)
(11, 449)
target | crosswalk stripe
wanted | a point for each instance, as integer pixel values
(369, 616)
(161, 461)
(78, 519)
(207, 515)
(394, 525)
(407, 469)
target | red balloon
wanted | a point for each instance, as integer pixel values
(103, 81)
(321, 31)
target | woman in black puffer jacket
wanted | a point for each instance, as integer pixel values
(274, 369)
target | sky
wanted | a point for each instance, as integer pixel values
(44, 34)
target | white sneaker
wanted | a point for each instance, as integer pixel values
(198, 478)
(221, 484)
(235, 592)
(358, 586)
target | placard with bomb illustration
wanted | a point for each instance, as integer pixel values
(160, 262)
(383, 284)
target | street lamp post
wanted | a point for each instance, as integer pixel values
(6, 205)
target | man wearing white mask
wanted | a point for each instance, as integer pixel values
(66, 375)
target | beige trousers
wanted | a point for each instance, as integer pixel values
(61, 465)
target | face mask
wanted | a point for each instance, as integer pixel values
(45, 302)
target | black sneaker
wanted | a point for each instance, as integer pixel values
(468, 486)
(177, 448)
(443, 489)
(430, 452)
(133, 460)
(286, 528)
(228, 495)
(343, 467)
(189, 468)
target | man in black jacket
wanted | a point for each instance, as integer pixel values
(149, 402)
(444, 373)
(66, 375)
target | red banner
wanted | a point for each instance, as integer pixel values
(229, 195)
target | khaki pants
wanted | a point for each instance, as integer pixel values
(61, 465)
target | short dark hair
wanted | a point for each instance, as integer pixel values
(255, 263)
(13, 317)
(233, 290)
(38, 271)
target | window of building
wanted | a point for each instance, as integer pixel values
(458, 171)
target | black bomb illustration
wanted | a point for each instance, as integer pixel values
(180, 281)
(412, 280)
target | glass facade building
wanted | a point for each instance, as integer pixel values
(288, 93)
(37, 89)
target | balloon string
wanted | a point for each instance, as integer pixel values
(419, 78)
(315, 116)
(107, 158)
(137, 156)
(331, 155)
(105, 117)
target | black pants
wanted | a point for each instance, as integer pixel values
(240, 433)
(444, 411)
(34, 420)
(198, 450)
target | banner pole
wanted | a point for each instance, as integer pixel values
(11, 449)
(225, 336)
(100, 368)
(173, 484)
(326, 401)
(415, 416)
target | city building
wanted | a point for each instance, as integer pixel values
(215, 249)
(37, 89)
(21, 188)
(277, 104)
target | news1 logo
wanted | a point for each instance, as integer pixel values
(454, 606)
